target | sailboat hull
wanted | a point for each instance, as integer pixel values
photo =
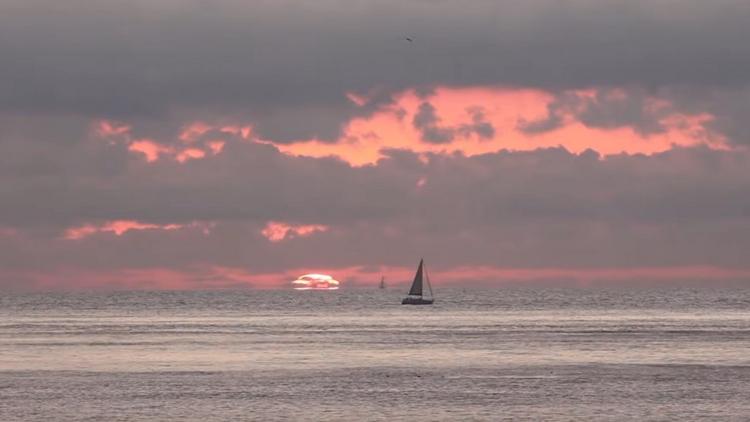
(416, 301)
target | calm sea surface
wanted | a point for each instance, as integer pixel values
(520, 354)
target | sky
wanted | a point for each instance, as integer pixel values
(194, 144)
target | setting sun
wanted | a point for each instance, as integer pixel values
(315, 282)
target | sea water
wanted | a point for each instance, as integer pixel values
(350, 355)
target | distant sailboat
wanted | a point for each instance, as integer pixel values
(382, 282)
(416, 296)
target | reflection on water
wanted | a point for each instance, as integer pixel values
(359, 354)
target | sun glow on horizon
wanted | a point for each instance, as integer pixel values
(315, 282)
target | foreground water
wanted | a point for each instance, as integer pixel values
(521, 354)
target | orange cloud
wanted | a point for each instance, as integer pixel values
(363, 139)
(216, 146)
(107, 128)
(356, 99)
(503, 108)
(153, 150)
(190, 154)
(149, 148)
(120, 227)
(193, 131)
(276, 231)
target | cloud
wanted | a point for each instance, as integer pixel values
(121, 227)
(289, 73)
(427, 121)
(728, 108)
(432, 131)
(605, 108)
(164, 138)
(276, 231)
(479, 125)
(620, 108)
(546, 208)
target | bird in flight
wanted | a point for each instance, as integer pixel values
(408, 39)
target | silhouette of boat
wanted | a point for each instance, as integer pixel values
(416, 295)
(382, 282)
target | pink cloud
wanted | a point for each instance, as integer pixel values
(149, 148)
(193, 131)
(242, 131)
(153, 150)
(503, 108)
(190, 154)
(216, 146)
(356, 99)
(108, 128)
(363, 139)
(276, 231)
(120, 227)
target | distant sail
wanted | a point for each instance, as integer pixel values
(382, 282)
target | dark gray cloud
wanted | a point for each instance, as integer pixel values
(728, 109)
(286, 65)
(434, 131)
(629, 108)
(427, 122)
(555, 119)
(606, 109)
(479, 125)
(545, 208)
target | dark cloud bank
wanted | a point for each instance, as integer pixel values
(286, 66)
(544, 208)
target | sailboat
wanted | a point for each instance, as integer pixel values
(416, 296)
(382, 282)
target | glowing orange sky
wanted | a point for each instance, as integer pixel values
(354, 277)
(276, 231)
(120, 227)
(392, 127)
(504, 108)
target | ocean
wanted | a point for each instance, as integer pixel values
(358, 355)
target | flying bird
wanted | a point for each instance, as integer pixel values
(408, 39)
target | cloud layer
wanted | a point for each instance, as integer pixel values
(235, 142)
(288, 64)
(545, 208)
